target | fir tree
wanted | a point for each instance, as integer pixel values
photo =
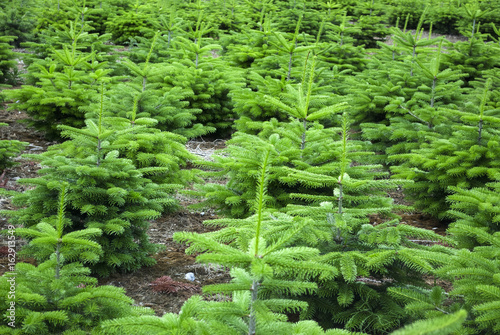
(267, 265)
(475, 280)
(302, 143)
(168, 106)
(8, 150)
(477, 208)
(371, 23)
(68, 80)
(8, 63)
(359, 250)
(159, 154)
(342, 53)
(465, 159)
(130, 22)
(207, 80)
(188, 321)
(279, 66)
(250, 103)
(243, 48)
(57, 296)
(105, 192)
(17, 18)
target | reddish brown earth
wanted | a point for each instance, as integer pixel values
(172, 261)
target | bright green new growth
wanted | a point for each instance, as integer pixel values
(443, 325)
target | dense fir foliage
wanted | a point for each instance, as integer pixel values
(8, 150)
(327, 106)
(59, 296)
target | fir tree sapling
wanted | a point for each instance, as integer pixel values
(337, 46)
(8, 150)
(474, 275)
(243, 48)
(159, 154)
(57, 296)
(415, 111)
(63, 83)
(474, 56)
(473, 210)
(474, 268)
(260, 255)
(17, 18)
(466, 159)
(290, 50)
(301, 143)
(8, 62)
(365, 255)
(206, 79)
(131, 22)
(372, 23)
(168, 106)
(105, 192)
(359, 251)
(266, 264)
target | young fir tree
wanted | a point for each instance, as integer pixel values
(474, 278)
(290, 54)
(465, 159)
(134, 20)
(474, 268)
(8, 150)
(372, 23)
(200, 317)
(170, 25)
(267, 266)
(148, 147)
(388, 79)
(8, 62)
(473, 210)
(299, 10)
(232, 16)
(250, 103)
(188, 321)
(56, 37)
(302, 143)
(264, 265)
(53, 14)
(206, 79)
(416, 112)
(167, 106)
(58, 296)
(105, 191)
(66, 81)
(243, 48)
(474, 55)
(365, 255)
(338, 48)
(17, 18)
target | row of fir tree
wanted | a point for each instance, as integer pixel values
(328, 106)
